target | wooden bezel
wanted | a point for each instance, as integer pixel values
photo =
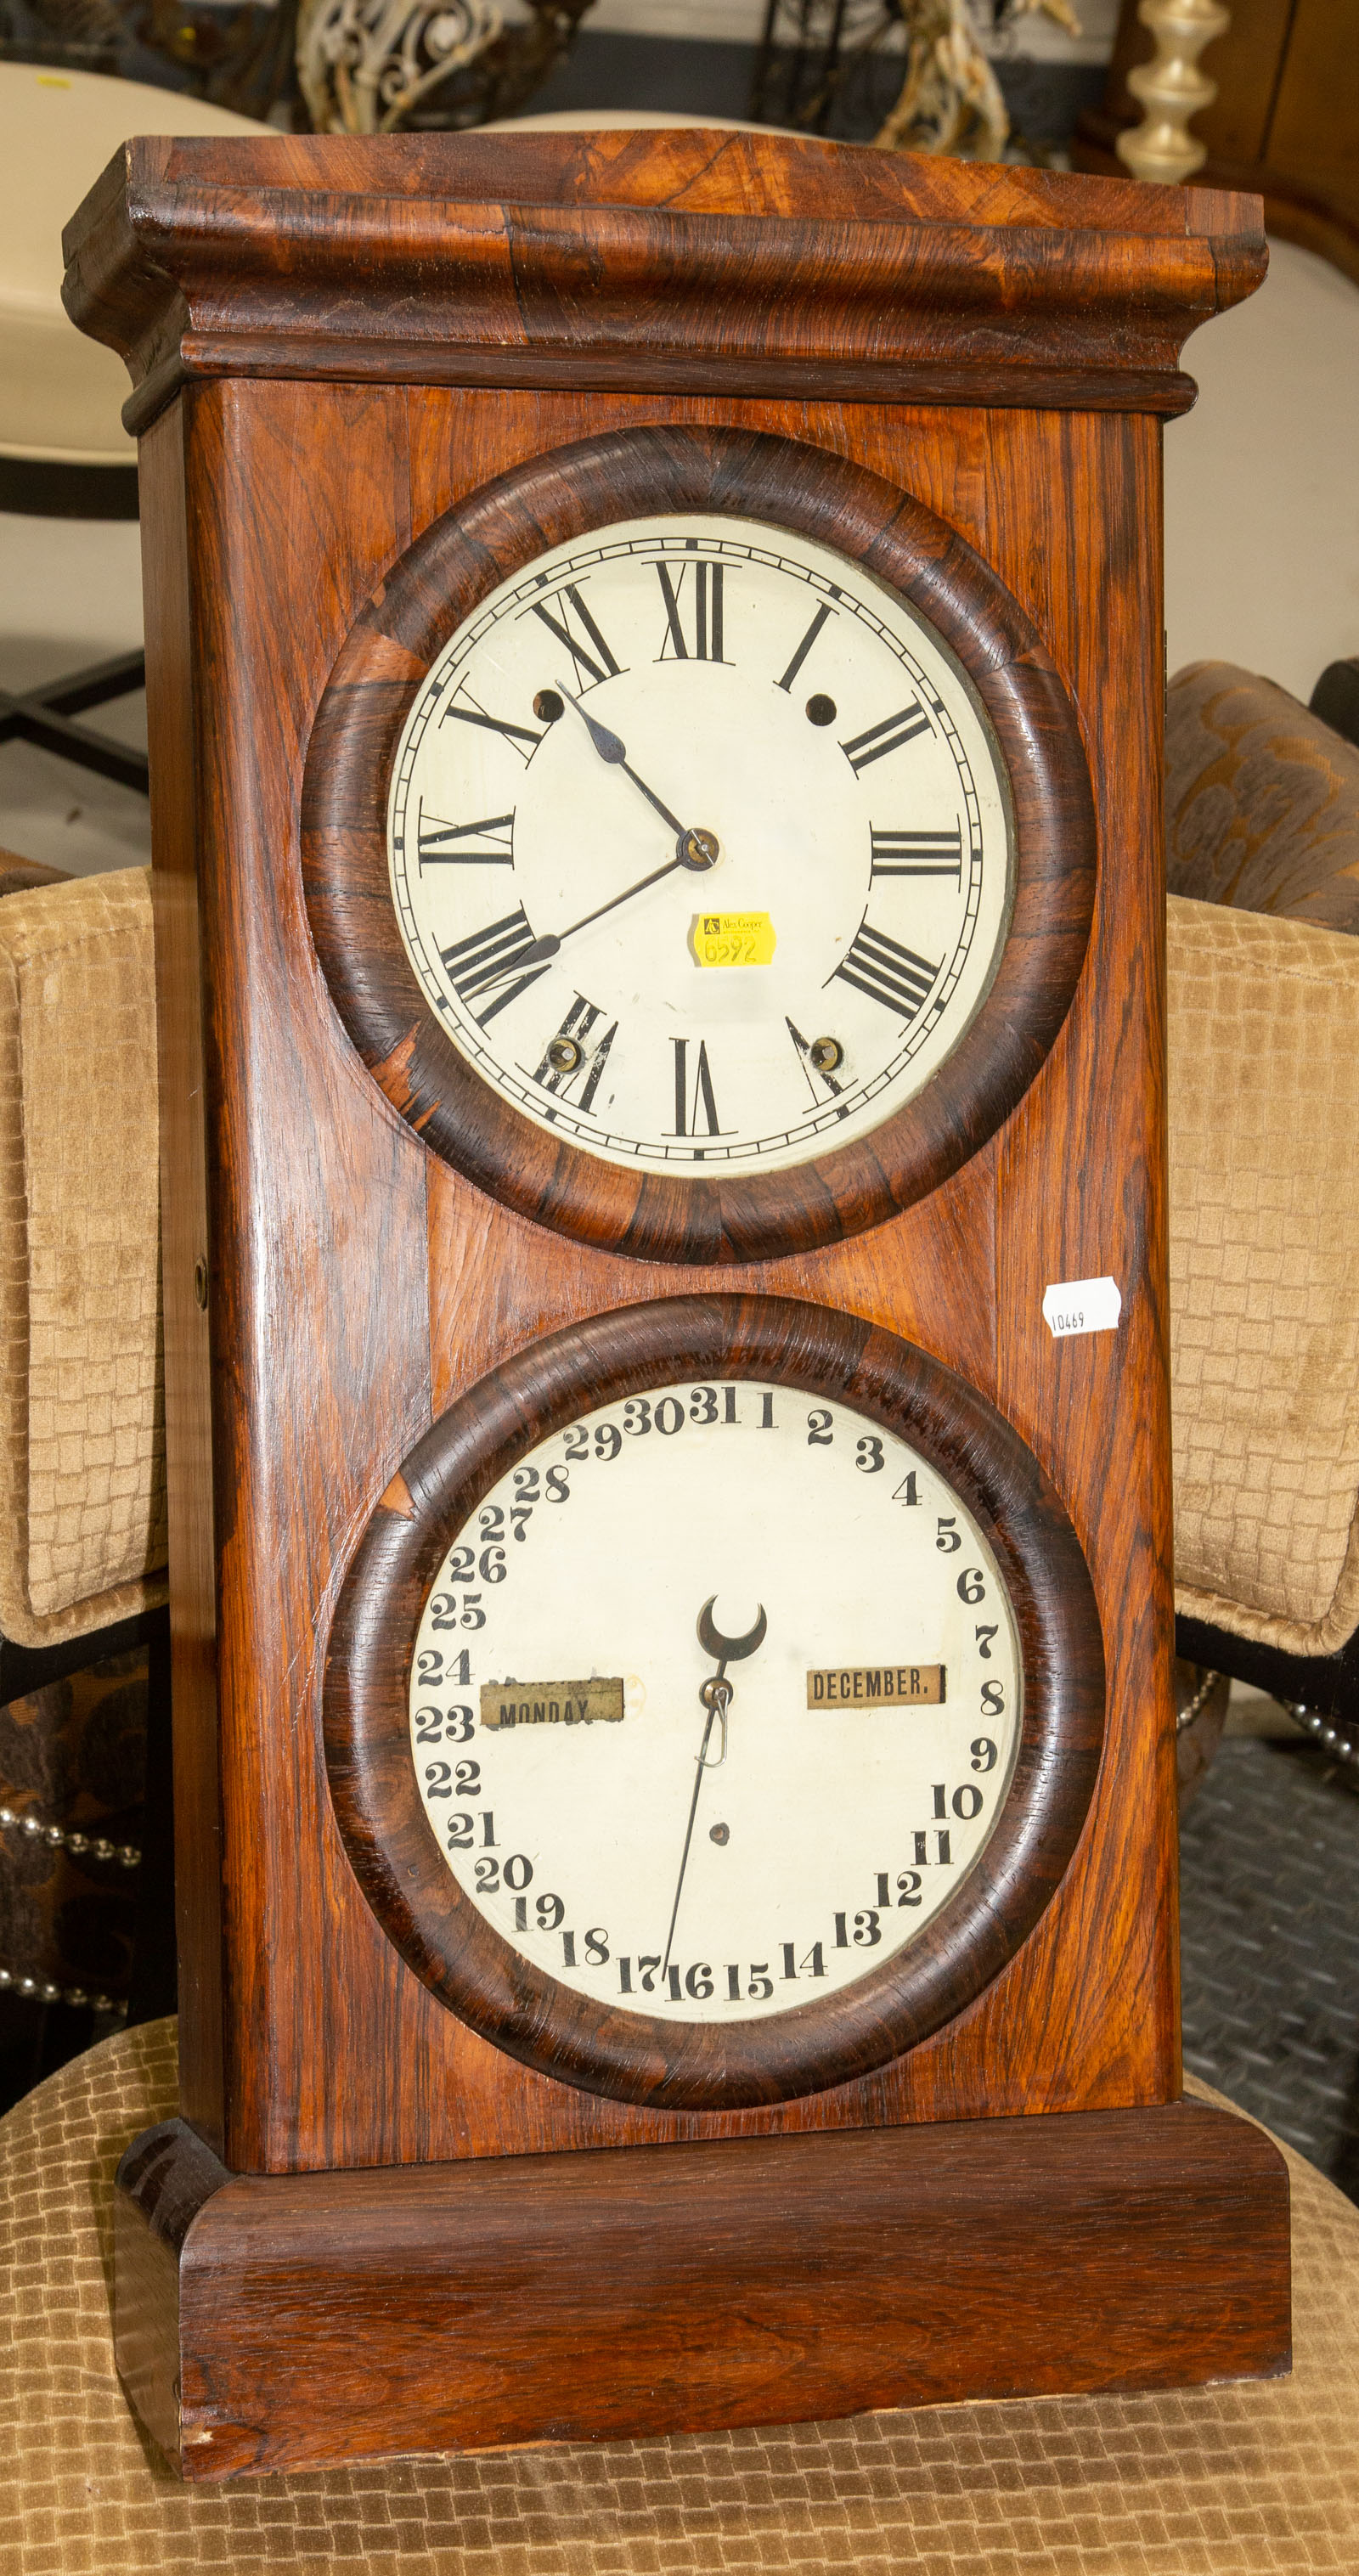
(384, 662)
(391, 1843)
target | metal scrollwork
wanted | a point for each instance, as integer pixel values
(369, 66)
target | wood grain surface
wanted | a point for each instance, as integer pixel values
(455, 1950)
(361, 1284)
(426, 596)
(745, 264)
(625, 2294)
(185, 1144)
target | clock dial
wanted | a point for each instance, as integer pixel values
(700, 845)
(715, 1700)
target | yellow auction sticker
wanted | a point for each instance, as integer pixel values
(732, 939)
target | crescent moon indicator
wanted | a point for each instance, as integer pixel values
(729, 1650)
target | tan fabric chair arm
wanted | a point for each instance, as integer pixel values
(82, 1467)
(1264, 1274)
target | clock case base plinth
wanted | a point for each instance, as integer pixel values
(294, 2321)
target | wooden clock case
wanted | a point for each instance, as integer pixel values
(374, 2230)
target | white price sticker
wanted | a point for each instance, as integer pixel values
(1081, 1306)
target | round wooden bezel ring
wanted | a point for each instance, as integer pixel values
(385, 660)
(393, 1847)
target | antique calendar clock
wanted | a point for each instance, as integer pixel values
(655, 671)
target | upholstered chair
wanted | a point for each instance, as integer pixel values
(1262, 815)
(86, 1924)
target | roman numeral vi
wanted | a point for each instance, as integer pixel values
(687, 1103)
(575, 1032)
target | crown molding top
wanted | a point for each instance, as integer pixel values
(685, 259)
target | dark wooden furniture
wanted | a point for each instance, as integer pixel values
(33, 489)
(1285, 120)
(334, 347)
(45, 716)
(1336, 698)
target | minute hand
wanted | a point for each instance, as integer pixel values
(548, 947)
(543, 950)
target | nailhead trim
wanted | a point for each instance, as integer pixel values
(41, 1990)
(1315, 1724)
(1185, 1716)
(59, 1838)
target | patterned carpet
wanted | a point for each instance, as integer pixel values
(1270, 1945)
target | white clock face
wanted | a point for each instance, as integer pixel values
(715, 1701)
(700, 846)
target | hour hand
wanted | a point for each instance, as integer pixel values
(692, 849)
(606, 744)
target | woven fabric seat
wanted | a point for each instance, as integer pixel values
(82, 1443)
(1254, 2479)
(1264, 1274)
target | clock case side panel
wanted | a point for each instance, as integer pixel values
(299, 497)
(495, 533)
(1100, 1403)
(316, 1250)
(176, 828)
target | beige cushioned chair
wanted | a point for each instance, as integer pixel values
(85, 1876)
(1264, 1283)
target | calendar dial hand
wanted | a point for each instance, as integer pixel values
(716, 1695)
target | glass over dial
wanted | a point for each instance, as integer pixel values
(700, 845)
(715, 1700)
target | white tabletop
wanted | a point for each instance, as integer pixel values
(60, 394)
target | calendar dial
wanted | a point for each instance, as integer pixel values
(715, 1700)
